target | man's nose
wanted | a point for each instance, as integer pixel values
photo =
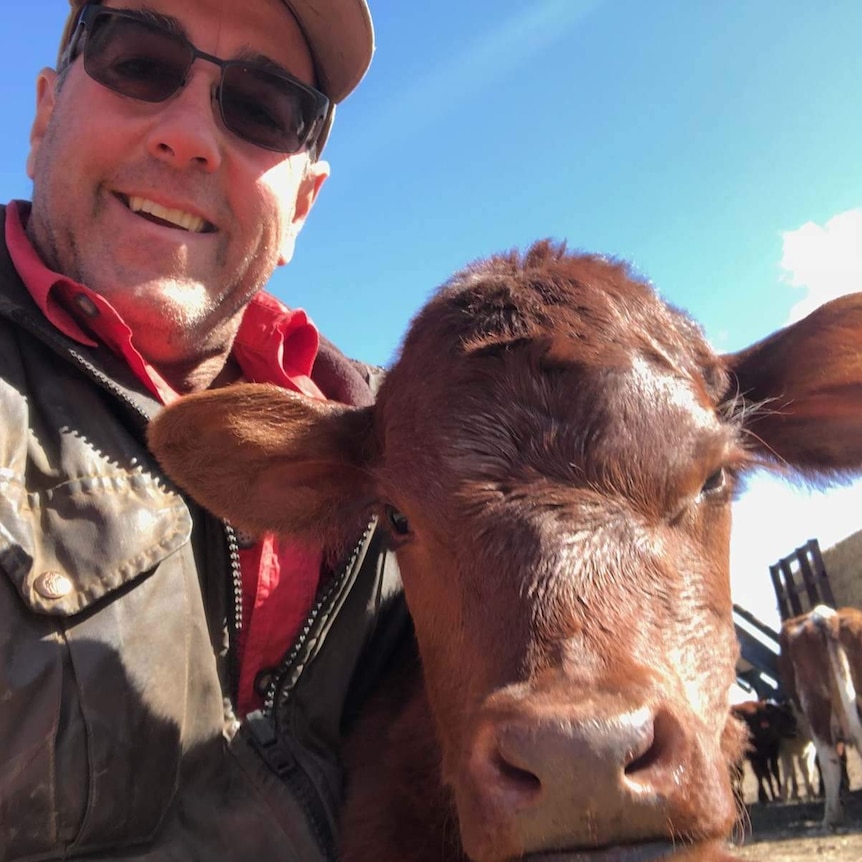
(186, 131)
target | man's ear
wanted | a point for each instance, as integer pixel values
(46, 92)
(316, 173)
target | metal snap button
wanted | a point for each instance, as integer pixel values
(52, 585)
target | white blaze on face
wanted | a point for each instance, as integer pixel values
(671, 390)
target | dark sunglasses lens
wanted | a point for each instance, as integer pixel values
(136, 59)
(266, 109)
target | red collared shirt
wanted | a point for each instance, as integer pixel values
(274, 345)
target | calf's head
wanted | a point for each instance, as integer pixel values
(554, 455)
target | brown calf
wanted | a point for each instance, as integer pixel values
(554, 456)
(821, 669)
(763, 721)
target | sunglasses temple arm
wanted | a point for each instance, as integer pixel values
(71, 49)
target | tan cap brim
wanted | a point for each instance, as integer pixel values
(340, 36)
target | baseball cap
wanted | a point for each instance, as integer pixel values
(340, 37)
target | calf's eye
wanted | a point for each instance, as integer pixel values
(715, 482)
(398, 521)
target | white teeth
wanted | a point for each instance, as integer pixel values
(185, 220)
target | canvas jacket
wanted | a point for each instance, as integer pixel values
(117, 618)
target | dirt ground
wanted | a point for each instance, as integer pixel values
(791, 832)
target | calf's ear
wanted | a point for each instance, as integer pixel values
(269, 460)
(801, 390)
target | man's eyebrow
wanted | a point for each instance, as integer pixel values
(166, 22)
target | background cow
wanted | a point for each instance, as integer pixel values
(554, 456)
(779, 744)
(821, 668)
(767, 724)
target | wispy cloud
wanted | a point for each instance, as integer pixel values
(500, 49)
(825, 260)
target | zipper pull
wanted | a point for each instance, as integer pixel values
(267, 743)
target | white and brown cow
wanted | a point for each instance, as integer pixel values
(821, 669)
(554, 456)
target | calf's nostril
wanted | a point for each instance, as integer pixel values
(657, 751)
(511, 775)
(644, 754)
(514, 778)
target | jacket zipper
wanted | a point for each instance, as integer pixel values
(235, 620)
(262, 724)
(280, 681)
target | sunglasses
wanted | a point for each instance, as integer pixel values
(140, 59)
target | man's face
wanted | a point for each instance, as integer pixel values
(96, 155)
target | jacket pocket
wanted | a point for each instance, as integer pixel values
(101, 612)
(67, 547)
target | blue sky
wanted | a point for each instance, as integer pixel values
(716, 145)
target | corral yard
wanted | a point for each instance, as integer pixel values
(791, 832)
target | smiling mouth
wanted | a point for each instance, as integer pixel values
(166, 216)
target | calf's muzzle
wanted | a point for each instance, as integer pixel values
(586, 773)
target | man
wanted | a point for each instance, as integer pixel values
(169, 689)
